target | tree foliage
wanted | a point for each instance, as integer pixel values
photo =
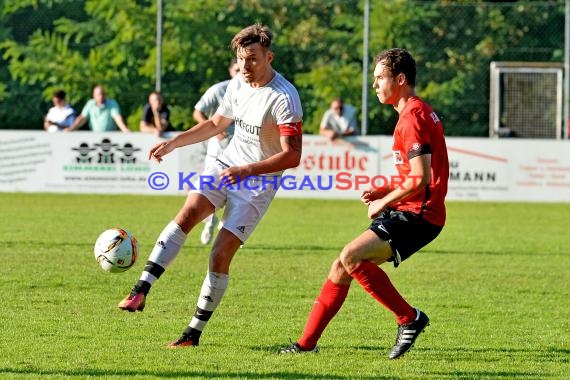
(75, 44)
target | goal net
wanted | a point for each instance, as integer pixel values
(526, 100)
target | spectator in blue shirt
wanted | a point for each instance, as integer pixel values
(102, 114)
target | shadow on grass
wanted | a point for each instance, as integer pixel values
(474, 252)
(489, 374)
(292, 247)
(94, 372)
(190, 244)
(460, 354)
(481, 354)
(551, 354)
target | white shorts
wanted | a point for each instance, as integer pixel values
(244, 206)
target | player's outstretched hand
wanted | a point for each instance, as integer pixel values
(160, 150)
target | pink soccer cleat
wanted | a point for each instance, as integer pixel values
(133, 303)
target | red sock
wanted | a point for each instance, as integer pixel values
(375, 281)
(326, 306)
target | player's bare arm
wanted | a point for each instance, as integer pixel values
(374, 193)
(199, 116)
(289, 157)
(417, 179)
(200, 132)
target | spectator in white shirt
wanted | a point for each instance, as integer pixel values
(339, 120)
(61, 115)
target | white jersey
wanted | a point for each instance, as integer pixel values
(257, 114)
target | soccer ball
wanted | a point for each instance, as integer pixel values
(116, 250)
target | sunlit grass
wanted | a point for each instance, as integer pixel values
(495, 285)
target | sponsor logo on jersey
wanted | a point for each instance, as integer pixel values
(251, 129)
(398, 159)
(434, 117)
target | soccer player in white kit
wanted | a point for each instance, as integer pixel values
(267, 114)
(205, 109)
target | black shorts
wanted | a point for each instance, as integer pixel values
(406, 232)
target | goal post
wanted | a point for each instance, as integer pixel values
(526, 100)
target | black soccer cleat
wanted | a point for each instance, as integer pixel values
(407, 335)
(294, 348)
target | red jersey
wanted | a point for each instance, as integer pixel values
(419, 131)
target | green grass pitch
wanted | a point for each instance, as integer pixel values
(495, 285)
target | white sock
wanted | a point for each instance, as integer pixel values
(167, 247)
(213, 289)
(148, 277)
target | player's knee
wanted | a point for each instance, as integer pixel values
(338, 274)
(337, 268)
(348, 258)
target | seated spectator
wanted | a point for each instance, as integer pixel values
(103, 114)
(61, 115)
(156, 115)
(339, 120)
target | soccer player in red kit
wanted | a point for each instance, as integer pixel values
(405, 217)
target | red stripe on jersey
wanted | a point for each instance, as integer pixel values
(291, 129)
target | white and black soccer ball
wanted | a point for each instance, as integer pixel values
(116, 250)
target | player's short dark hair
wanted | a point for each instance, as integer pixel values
(252, 34)
(398, 61)
(59, 94)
